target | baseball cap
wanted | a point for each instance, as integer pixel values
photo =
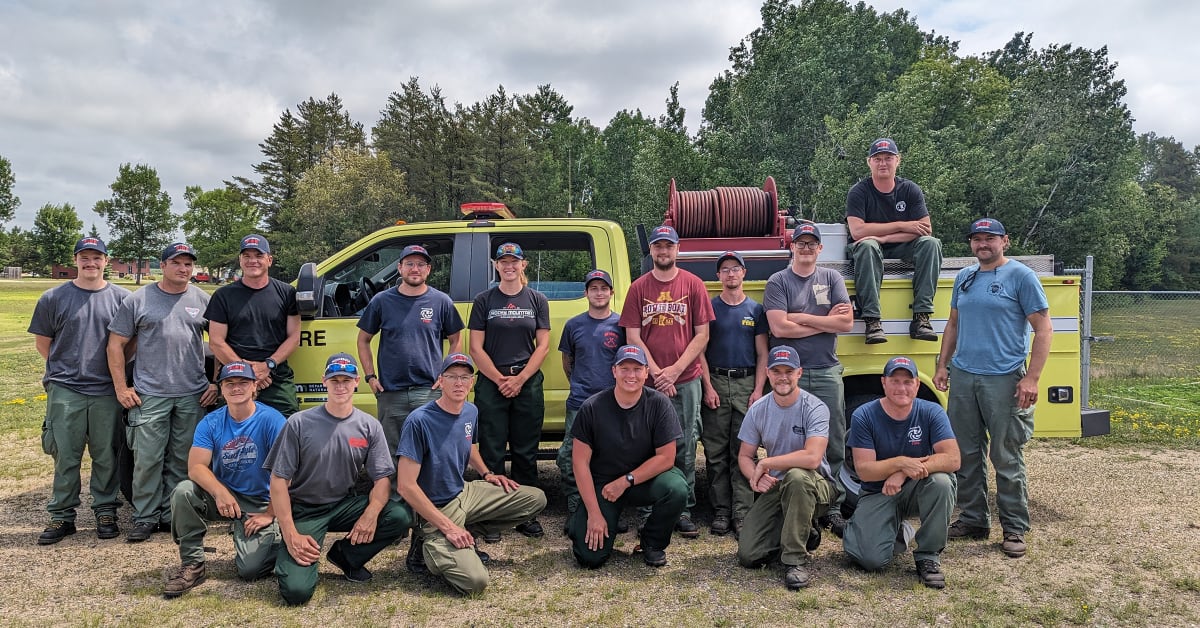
(733, 255)
(664, 233)
(179, 248)
(341, 364)
(236, 369)
(416, 249)
(986, 225)
(597, 274)
(256, 242)
(630, 352)
(883, 145)
(783, 355)
(511, 249)
(91, 244)
(806, 229)
(900, 362)
(457, 359)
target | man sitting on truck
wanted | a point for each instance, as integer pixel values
(887, 217)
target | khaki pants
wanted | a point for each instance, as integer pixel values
(781, 518)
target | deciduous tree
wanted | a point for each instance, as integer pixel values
(215, 222)
(56, 229)
(138, 215)
(8, 201)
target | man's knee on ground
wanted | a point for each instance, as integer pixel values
(587, 558)
(470, 583)
(294, 593)
(873, 563)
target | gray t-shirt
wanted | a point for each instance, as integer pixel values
(782, 430)
(322, 454)
(76, 321)
(169, 329)
(814, 294)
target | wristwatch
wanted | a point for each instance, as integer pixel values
(271, 364)
(371, 377)
(629, 478)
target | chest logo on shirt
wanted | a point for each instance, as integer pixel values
(467, 431)
(610, 340)
(821, 293)
(747, 321)
(510, 311)
(901, 206)
(357, 443)
(239, 454)
(798, 430)
(427, 315)
(665, 311)
(192, 311)
(914, 435)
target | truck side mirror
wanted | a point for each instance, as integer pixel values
(308, 290)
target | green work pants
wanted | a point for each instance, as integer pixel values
(728, 490)
(484, 506)
(74, 421)
(780, 520)
(191, 510)
(160, 433)
(298, 582)
(665, 495)
(281, 394)
(514, 422)
(983, 408)
(826, 385)
(871, 534)
(925, 254)
(566, 470)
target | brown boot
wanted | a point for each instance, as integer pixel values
(188, 578)
(920, 328)
(875, 333)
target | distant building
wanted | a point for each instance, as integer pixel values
(119, 269)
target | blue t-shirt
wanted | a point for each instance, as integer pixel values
(732, 333)
(993, 326)
(593, 343)
(239, 447)
(441, 443)
(410, 345)
(915, 436)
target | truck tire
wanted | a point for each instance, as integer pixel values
(853, 403)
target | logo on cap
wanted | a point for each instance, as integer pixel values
(236, 368)
(89, 241)
(250, 242)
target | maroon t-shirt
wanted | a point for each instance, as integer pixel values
(667, 314)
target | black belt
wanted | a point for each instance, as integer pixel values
(733, 373)
(511, 369)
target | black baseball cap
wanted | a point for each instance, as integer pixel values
(597, 275)
(806, 229)
(416, 249)
(883, 145)
(176, 249)
(733, 255)
(89, 243)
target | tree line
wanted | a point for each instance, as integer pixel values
(1038, 138)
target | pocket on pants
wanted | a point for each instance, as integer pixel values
(48, 444)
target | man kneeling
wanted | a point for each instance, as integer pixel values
(436, 445)
(906, 455)
(230, 485)
(624, 455)
(793, 481)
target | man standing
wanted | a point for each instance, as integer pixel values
(793, 481)
(905, 453)
(256, 320)
(807, 306)
(736, 370)
(589, 342)
(70, 330)
(624, 454)
(315, 464)
(228, 483)
(436, 446)
(992, 392)
(170, 386)
(667, 313)
(887, 217)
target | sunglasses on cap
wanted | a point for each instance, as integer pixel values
(336, 367)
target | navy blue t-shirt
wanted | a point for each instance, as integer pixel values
(732, 333)
(915, 436)
(410, 345)
(441, 443)
(593, 344)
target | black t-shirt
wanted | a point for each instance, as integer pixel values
(621, 440)
(509, 323)
(257, 319)
(905, 202)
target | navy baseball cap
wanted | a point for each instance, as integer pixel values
(91, 244)
(341, 364)
(236, 369)
(900, 362)
(733, 255)
(783, 355)
(416, 249)
(883, 145)
(256, 242)
(510, 249)
(664, 233)
(597, 275)
(806, 229)
(630, 352)
(175, 250)
(457, 359)
(987, 225)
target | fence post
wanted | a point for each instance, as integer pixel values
(1085, 340)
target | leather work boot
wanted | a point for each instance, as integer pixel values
(188, 578)
(875, 333)
(920, 327)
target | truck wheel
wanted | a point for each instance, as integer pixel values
(853, 403)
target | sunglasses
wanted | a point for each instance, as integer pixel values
(348, 369)
(966, 284)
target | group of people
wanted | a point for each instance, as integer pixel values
(673, 368)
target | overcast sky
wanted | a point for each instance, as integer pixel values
(191, 88)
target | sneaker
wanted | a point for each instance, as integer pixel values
(875, 333)
(920, 328)
(796, 577)
(960, 530)
(532, 529)
(106, 527)
(931, 574)
(720, 525)
(905, 533)
(56, 531)
(141, 531)
(836, 523)
(335, 555)
(738, 524)
(814, 539)
(187, 578)
(686, 528)
(1013, 545)
(654, 557)
(415, 561)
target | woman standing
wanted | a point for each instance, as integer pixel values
(510, 338)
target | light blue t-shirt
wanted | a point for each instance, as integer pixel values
(441, 443)
(782, 431)
(593, 343)
(993, 330)
(240, 447)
